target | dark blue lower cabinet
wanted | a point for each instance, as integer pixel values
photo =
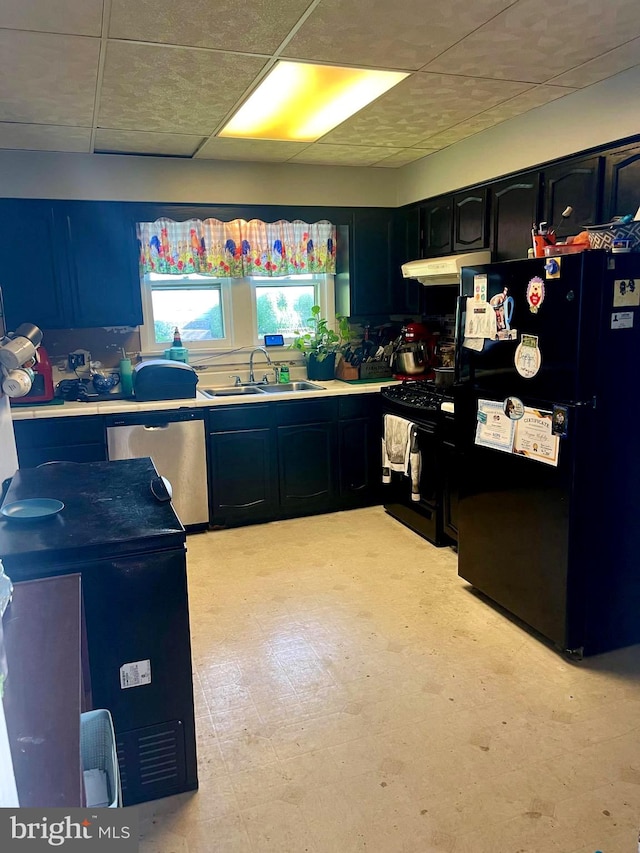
(306, 467)
(68, 439)
(293, 458)
(244, 477)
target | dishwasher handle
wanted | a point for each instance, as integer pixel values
(152, 428)
(154, 419)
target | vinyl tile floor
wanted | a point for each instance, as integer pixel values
(353, 694)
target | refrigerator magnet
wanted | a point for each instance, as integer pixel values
(559, 421)
(535, 294)
(513, 408)
(502, 304)
(626, 293)
(528, 358)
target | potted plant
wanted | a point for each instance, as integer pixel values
(320, 344)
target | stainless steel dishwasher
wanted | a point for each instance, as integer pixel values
(176, 441)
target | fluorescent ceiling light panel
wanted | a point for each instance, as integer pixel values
(301, 102)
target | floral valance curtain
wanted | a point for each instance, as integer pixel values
(238, 248)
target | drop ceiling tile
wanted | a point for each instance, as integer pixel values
(76, 17)
(342, 155)
(150, 87)
(143, 142)
(402, 34)
(616, 60)
(44, 137)
(255, 26)
(535, 97)
(401, 158)
(47, 79)
(522, 43)
(257, 150)
(421, 104)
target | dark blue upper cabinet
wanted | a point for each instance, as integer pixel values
(622, 182)
(575, 183)
(470, 220)
(69, 264)
(102, 258)
(33, 278)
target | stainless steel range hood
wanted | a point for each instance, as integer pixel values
(444, 270)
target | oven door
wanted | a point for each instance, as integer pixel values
(425, 514)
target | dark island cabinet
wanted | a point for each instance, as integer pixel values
(514, 205)
(69, 264)
(470, 221)
(437, 226)
(34, 283)
(243, 472)
(622, 182)
(575, 183)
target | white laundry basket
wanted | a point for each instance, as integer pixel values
(98, 750)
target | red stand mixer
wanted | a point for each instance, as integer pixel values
(414, 353)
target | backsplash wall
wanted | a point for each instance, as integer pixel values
(105, 345)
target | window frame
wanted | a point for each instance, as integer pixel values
(240, 315)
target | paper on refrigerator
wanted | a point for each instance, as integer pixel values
(494, 428)
(480, 318)
(534, 437)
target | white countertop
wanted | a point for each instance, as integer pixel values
(333, 388)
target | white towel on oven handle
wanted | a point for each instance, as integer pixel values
(400, 452)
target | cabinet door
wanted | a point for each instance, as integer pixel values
(622, 182)
(450, 496)
(369, 277)
(103, 264)
(470, 220)
(32, 282)
(243, 483)
(306, 462)
(437, 226)
(359, 460)
(514, 208)
(79, 438)
(575, 183)
(406, 296)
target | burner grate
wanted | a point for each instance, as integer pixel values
(417, 395)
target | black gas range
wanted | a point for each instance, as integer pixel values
(420, 397)
(418, 496)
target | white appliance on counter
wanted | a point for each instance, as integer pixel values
(176, 441)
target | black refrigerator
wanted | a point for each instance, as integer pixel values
(129, 548)
(547, 417)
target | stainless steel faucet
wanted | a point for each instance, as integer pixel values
(257, 349)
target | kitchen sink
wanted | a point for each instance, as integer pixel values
(242, 390)
(292, 386)
(234, 391)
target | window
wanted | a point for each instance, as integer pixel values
(283, 305)
(193, 304)
(224, 314)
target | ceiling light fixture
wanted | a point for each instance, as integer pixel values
(300, 102)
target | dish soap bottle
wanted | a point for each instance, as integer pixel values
(126, 375)
(177, 352)
(284, 374)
